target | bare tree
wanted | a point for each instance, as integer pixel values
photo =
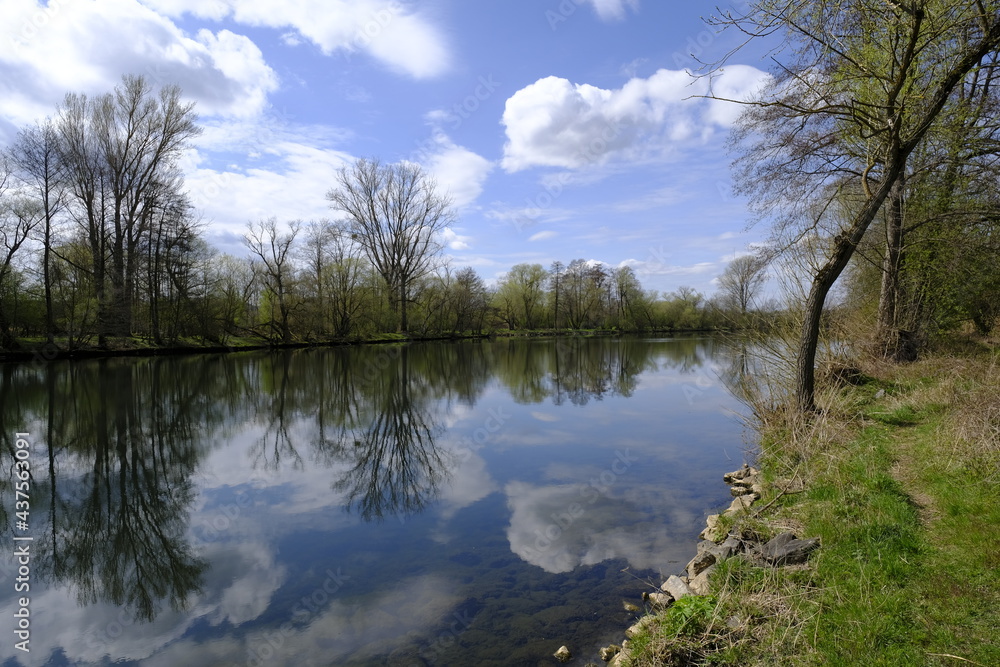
(319, 237)
(18, 217)
(395, 214)
(119, 148)
(87, 182)
(347, 278)
(741, 282)
(35, 157)
(857, 87)
(274, 249)
(233, 285)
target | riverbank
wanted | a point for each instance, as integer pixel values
(37, 350)
(899, 487)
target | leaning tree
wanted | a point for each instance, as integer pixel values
(857, 86)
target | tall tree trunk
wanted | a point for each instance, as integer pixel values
(96, 237)
(403, 324)
(46, 276)
(889, 341)
(155, 272)
(844, 245)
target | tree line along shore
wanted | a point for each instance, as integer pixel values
(103, 247)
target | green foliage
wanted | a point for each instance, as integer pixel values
(690, 615)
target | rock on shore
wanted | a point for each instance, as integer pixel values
(784, 549)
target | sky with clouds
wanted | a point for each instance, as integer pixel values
(561, 129)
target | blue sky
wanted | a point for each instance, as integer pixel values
(562, 129)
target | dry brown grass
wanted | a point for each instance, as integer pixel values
(969, 388)
(976, 420)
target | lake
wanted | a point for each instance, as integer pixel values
(459, 503)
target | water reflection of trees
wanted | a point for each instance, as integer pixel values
(122, 444)
(395, 465)
(123, 438)
(582, 369)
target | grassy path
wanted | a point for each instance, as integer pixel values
(903, 476)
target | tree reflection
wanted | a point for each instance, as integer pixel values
(122, 444)
(125, 437)
(576, 369)
(124, 542)
(395, 466)
(275, 403)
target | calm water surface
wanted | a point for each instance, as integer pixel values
(471, 503)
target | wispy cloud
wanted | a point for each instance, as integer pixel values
(541, 236)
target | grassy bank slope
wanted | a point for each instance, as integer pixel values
(901, 477)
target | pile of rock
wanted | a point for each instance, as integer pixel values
(784, 549)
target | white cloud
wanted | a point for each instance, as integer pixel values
(668, 195)
(215, 10)
(454, 240)
(613, 10)
(521, 219)
(385, 29)
(656, 267)
(86, 46)
(291, 183)
(459, 172)
(541, 236)
(555, 123)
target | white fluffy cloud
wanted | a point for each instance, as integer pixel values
(85, 47)
(454, 240)
(555, 123)
(459, 172)
(385, 29)
(290, 185)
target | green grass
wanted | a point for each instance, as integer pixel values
(902, 493)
